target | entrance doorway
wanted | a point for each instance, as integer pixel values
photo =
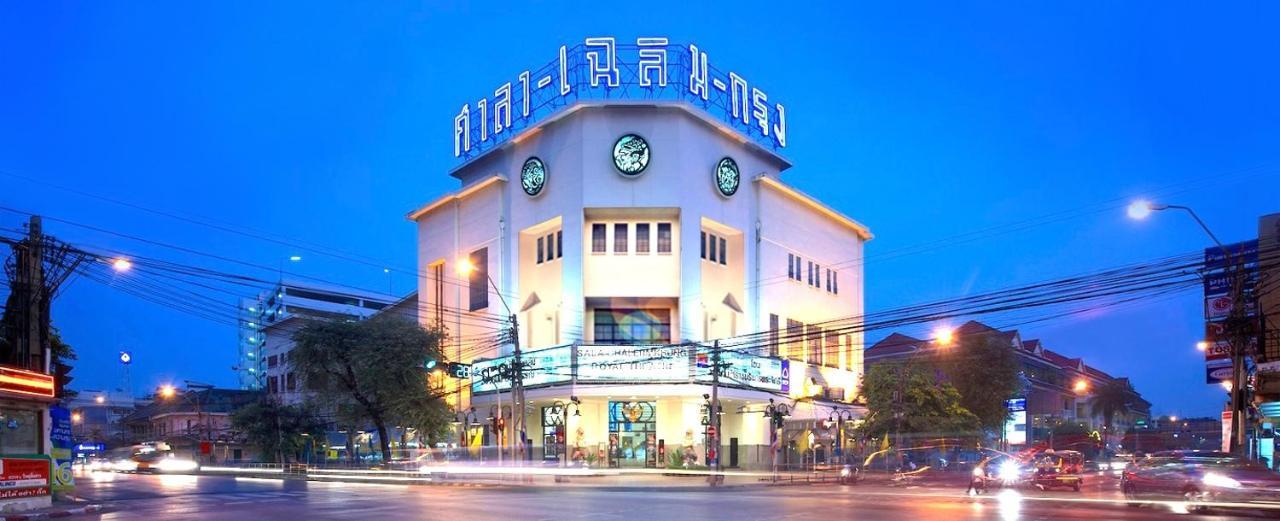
(633, 434)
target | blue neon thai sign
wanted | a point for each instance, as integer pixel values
(601, 69)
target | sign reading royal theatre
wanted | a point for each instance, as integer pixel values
(650, 70)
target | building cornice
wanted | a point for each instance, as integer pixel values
(863, 232)
(456, 196)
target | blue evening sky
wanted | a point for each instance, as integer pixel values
(326, 122)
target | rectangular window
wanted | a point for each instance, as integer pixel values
(791, 266)
(810, 273)
(817, 275)
(291, 382)
(724, 250)
(711, 247)
(551, 247)
(272, 361)
(797, 268)
(828, 279)
(559, 244)
(664, 237)
(642, 237)
(597, 238)
(703, 245)
(832, 351)
(835, 282)
(632, 326)
(773, 333)
(620, 238)
(795, 340)
(814, 356)
(437, 281)
(539, 250)
(478, 280)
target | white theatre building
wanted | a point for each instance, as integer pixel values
(628, 204)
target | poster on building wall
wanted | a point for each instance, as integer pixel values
(24, 477)
(1015, 428)
(60, 441)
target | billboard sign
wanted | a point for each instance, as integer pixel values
(625, 363)
(649, 70)
(756, 372)
(24, 477)
(1217, 371)
(544, 366)
(1246, 252)
(1015, 426)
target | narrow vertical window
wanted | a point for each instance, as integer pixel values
(810, 280)
(478, 280)
(620, 238)
(724, 250)
(703, 245)
(559, 243)
(664, 237)
(642, 237)
(773, 332)
(539, 250)
(828, 280)
(791, 266)
(711, 248)
(835, 282)
(817, 275)
(797, 268)
(551, 247)
(597, 238)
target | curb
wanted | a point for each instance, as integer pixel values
(87, 509)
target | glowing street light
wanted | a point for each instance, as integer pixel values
(76, 417)
(100, 399)
(1140, 209)
(1173, 419)
(121, 264)
(465, 267)
(1202, 346)
(944, 335)
(167, 391)
(295, 258)
(1081, 386)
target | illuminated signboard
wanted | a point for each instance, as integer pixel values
(613, 363)
(543, 366)
(22, 477)
(603, 69)
(28, 383)
(744, 370)
(1015, 428)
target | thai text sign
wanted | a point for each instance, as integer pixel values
(543, 366)
(613, 363)
(603, 69)
(23, 477)
(757, 372)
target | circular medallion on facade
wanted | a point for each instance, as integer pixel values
(727, 177)
(631, 155)
(533, 176)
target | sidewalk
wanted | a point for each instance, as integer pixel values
(60, 509)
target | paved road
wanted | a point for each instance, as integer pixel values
(151, 498)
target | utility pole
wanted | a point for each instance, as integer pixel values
(31, 299)
(713, 441)
(517, 395)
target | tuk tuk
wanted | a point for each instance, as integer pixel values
(1054, 469)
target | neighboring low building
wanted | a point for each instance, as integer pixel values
(191, 417)
(1056, 388)
(287, 300)
(98, 417)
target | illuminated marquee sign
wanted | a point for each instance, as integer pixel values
(611, 363)
(543, 366)
(27, 383)
(744, 370)
(602, 69)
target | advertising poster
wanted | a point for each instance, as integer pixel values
(60, 440)
(24, 477)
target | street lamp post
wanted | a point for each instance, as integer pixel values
(464, 420)
(840, 416)
(465, 268)
(775, 412)
(1237, 335)
(576, 404)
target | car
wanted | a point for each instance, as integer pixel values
(1201, 479)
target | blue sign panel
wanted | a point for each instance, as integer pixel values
(603, 69)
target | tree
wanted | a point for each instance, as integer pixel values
(279, 431)
(926, 405)
(374, 367)
(1112, 398)
(984, 369)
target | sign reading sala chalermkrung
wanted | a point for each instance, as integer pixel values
(604, 69)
